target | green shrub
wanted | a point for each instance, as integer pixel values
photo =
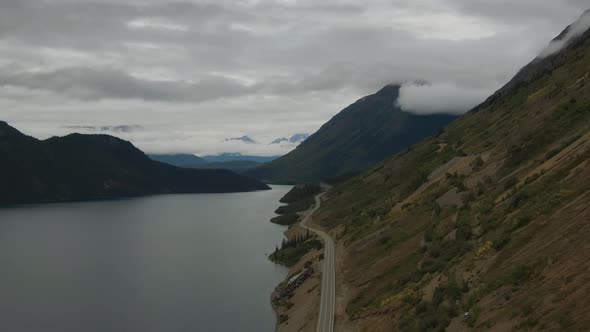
(286, 219)
(477, 164)
(502, 241)
(520, 275)
(297, 206)
(511, 182)
(300, 192)
(289, 256)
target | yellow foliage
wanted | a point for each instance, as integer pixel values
(485, 249)
(396, 298)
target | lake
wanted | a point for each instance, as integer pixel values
(162, 263)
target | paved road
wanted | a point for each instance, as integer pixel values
(328, 301)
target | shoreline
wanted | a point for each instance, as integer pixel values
(299, 311)
(296, 300)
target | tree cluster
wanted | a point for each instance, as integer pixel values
(294, 241)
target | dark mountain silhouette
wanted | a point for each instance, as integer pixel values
(180, 160)
(86, 167)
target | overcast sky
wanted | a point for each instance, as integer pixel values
(182, 76)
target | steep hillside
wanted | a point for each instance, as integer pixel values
(83, 167)
(358, 137)
(484, 226)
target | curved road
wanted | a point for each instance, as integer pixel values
(327, 301)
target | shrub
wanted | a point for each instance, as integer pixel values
(300, 192)
(477, 164)
(285, 220)
(519, 199)
(283, 318)
(520, 275)
(297, 206)
(511, 182)
(502, 241)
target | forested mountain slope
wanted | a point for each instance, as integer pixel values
(84, 167)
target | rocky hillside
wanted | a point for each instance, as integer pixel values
(355, 139)
(484, 226)
(84, 167)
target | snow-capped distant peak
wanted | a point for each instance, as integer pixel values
(296, 139)
(280, 140)
(244, 139)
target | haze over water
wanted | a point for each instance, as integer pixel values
(162, 263)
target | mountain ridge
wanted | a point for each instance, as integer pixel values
(482, 226)
(88, 167)
(180, 159)
(356, 138)
(295, 138)
(233, 162)
(538, 67)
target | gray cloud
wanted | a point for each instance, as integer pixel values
(439, 98)
(112, 129)
(193, 72)
(573, 31)
(522, 11)
(91, 84)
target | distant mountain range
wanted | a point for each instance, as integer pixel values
(86, 167)
(230, 161)
(297, 138)
(180, 160)
(288, 142)
(238, 157)
(357, 138)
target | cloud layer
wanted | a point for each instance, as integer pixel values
(439, 98)
(190, 73)
(574, 30)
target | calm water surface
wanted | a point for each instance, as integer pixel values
(164, 263)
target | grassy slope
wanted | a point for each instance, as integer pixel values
(490, 217)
